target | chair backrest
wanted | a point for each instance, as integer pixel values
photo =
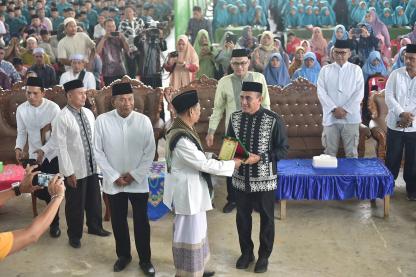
(378, 108)
(299, 106)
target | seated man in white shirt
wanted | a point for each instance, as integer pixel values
(79, 72)
(340, 91)
(32, 116)
(124, 148)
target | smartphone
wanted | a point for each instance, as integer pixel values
(44, 179)
(357, 31)
(26, 162)
(230, 38)
(115, 34)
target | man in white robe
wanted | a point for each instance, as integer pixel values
(340, 91)
(188, 186)
(124, 147)
(73, 132)
(32, 116)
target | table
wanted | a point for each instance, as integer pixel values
(238, 31)
(363, 179)
(304, 33)
(155, 207)
(11, 173)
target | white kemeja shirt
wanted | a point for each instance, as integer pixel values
(341, 87)
(67, 140)
(400, 97)
(89, 79)
(124, 145)
(186, 191)
(30, 120)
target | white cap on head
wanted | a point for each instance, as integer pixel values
(77, 57)
(69, 19)
(38, 51)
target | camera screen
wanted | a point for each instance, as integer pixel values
(44, 178)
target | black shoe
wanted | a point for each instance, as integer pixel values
(261, 265)
(411, 196)
(229, 207)
(75, 243)
(54, 231)
(121, 263)
(101, 233)
(148, 269)
(208, 273)
(244, 261)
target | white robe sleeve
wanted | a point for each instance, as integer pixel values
(391, 101)
(108, 171)
(191, 156)
(149, 149)
(59, 136)
(327, 103)
(358, 94)
(21, 138)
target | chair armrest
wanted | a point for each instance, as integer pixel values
(380, 137)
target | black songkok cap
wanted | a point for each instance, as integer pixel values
(239, 53)
(411, 48)
(184, 101)
(74, 84)
(252, 86)
(342, 44)
(35, 16)
(121, 88)
(34, 82)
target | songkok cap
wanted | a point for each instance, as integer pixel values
(76, 57)
(38, 51)
(342, 44)
(121, 88)
(69, 19)
(35, 16)
(34, 82)
(252, 86)
(74, 84)
(411, 48)
(184, 101)
(239, 53)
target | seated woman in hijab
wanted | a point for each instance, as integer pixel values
(247, 40)
(261, 55)
(374, 65)
(309, 18)
(387, 17)
(326, 17)
(206, 54)
(379, 28)
(359, 13)
(276, 73)
(279, 48)
(292, 19)
(259, 17)
(400, 59)
(310, 68)
(243, 19)
(220, 15)
(233, 17)
(188, 187)
(297, 60)
(340, 33)
(400, 18)
(362, 43)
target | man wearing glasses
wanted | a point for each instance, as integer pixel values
(340, 91)
(227, 98)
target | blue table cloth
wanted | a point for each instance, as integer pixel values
(354, 178)
(155, 207)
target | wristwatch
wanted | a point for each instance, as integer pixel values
(15, 187)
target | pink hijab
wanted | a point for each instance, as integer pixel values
(319, 44)
(182, 76)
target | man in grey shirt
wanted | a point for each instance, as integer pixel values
(198, 22)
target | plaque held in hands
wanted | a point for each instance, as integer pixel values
(232, 148)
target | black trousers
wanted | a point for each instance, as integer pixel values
(265, 203)
(51, 167)
(230, 190)
(86, 197)
(119, 207)
(109, 79)
(396, 141)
